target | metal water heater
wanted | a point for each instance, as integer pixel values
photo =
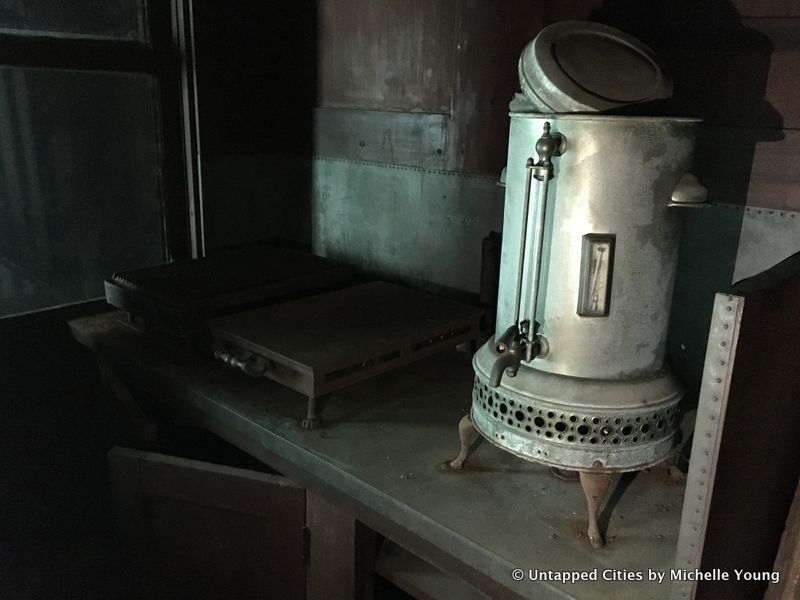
(575, 375)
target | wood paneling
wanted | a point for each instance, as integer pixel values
(390, 55)
(490, 37)
(775, 176)
(783, 80)
(456, 57)
(341, 553)
(567, 10)
(767, 8)
(736, 64)
(741, 74)
(750, 166)
(562, 10)
(732, 67)
(787, 562)
(210, 531)
(421, 579)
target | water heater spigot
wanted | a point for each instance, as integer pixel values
(509, 350)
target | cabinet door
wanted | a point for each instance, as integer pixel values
(210, 531)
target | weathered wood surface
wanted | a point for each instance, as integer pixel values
(787, 562)
(391, 55)
(737, 66)
(416, 577)
(341, 553)
(453, 57)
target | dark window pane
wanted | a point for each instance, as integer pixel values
(115, 19)
(79, 184)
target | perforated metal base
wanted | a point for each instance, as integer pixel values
(574, 423)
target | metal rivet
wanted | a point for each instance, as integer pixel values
(708, 435)
(722, 363)
(723, 344)
(719, 380)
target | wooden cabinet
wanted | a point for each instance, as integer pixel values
(211, 531)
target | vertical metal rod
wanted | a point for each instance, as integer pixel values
(523, 241)
(536, 258)
(547, 147)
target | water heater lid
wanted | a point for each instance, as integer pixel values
(578, 66)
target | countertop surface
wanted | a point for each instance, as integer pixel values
(381, 452)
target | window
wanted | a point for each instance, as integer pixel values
(91, 178)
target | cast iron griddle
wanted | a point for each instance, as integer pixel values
(177, 297)
(322, 343)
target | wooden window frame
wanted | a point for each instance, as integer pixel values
(167, 57)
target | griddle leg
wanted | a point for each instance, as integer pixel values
(312, 420)
(470, 440)
(595, 486)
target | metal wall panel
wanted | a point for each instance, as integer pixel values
(767, 237)
(406, 223)
(400, 138)
(721, 244)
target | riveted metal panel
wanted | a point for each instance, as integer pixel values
(407, 223)
(397, 138)
(767, 237)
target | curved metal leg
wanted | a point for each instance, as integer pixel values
(595, 486)
(470, 440)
